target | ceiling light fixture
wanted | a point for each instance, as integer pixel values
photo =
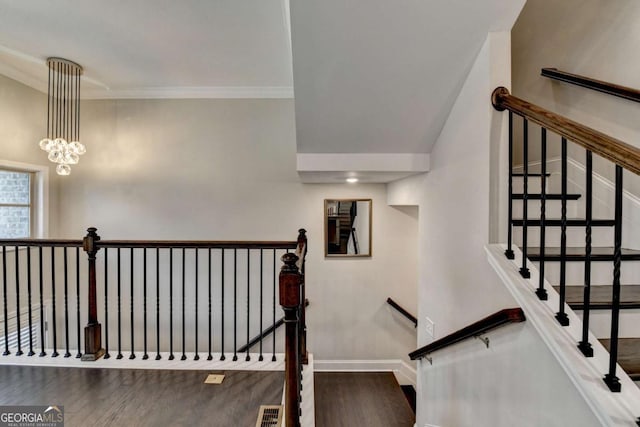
(352, 180)
(63, 115)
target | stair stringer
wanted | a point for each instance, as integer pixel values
(611, 409)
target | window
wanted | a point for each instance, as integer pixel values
(22, 200)
(15, 204)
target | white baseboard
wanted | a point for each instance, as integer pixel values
(189, 364)
(404, 373)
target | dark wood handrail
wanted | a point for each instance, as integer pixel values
(593, 84)
(620, 153)
(189, 244)
(502, 317)
(192, 244)
(402, 311)
(41, 242)
(255, 340)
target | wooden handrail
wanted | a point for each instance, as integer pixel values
(593, 84)
(620, 153)
(402, 311)
(265, 333)
(193, 244)
(41, 242)
(162, 244)
(502, 317)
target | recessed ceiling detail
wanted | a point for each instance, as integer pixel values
(146, 49)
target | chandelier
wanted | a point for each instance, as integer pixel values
(63, 115)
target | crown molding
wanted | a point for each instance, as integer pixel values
(205, 92)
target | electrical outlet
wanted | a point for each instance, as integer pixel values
(429, 327)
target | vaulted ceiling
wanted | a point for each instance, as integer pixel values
(372, 77)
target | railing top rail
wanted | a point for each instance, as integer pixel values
(610, 148)
(502, 317)
(161, 244)
(41, 242)
(195, 244)
(402, 311)
(593, 84)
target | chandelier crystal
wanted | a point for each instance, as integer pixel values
(63, 115)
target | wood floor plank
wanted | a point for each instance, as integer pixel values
(351, 399)
(127, 397)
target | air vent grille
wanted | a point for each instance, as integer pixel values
(269, 416)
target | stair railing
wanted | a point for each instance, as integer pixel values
(593, 84)
(622, 155)
(290, 284)
(139, 297)
(403, 311)
(474, 330)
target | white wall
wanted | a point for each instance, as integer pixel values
(594, 38)
(514, 382)
(461, 198)
(225, 170)
(23, 114)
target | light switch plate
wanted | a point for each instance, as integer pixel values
(429, 327)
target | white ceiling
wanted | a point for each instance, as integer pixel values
(371, 76)
(381, 76)
(152, 48)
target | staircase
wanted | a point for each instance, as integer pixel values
(602, 255)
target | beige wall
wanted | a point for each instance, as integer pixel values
(594, 38)
(225, 169)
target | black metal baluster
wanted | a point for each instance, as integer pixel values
(610, 378)
(235, 304)
(66, 301)
(31, 352)
(275, 274)
(196, 357)
(171, 356)
(145, 355)
(585, 345)
(42, 314)
(119, 356)
(524, 271)
(541, 292)
(184, 267)
(509, 252)
(261, 358)
(210, 356)
(132, 355)
(222, 356)
(19, 329)
(4, 302)
(561, 316)
(106, 304)
(53, 302)
(248, 358)
(79, 353)
(158, 357)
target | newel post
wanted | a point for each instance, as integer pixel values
(93, 331)
(290, 281)
(302, 254)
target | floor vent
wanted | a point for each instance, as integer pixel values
(269, 416)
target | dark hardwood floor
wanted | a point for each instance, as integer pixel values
(127, 397)
(350, 399)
